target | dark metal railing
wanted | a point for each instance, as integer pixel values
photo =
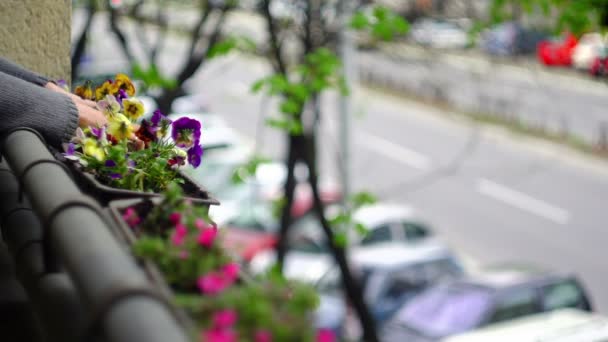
(117, 299)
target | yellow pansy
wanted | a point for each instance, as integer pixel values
(123, 82)
(84, 91)
(90, 147)
(103, 90)
(120, 127)
(133, 108)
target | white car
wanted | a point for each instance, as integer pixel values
(589, 47)
(566, 325)
(309, 257)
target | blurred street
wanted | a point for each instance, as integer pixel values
(493, 196)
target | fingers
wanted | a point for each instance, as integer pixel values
(88, 116)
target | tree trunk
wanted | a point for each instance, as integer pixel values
(81, 43)
(166, 98)
(294, 154)
(351, 284)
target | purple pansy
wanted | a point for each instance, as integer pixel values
(122, 94)
(186, 132)
(194, 155)
(98, 132)
(70, 151)
(115, 175)
(110, 163)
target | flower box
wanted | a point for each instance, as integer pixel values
(250, 309)
(89, 184)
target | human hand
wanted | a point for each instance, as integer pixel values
(77, 99)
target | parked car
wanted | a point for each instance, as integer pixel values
(493, 296)
(509, 39)
(390, 274)
(557, 52)
(588, 49)
(564, 325)
(309, 258)
(439, 34)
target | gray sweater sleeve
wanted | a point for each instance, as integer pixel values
(24, 104)
(13, 69)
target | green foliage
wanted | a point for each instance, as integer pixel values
(152, 78)
(344, 221)
(248, 170)
(267, 303)
(381, 23)
(230, 44)
(576, 16)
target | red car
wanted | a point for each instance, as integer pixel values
(255, 230)
(557, 53)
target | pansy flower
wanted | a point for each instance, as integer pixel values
(70, 151)
(123, 82)
(108, 105)
(91, 148)
(145, 133)
(103, 90)
(63, 85)
(160, 124)
(194, 155)
(133, 108)
(186, 132)
(120, 127)
(85, 91)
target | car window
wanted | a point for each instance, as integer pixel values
(402, 285)
(380, 234)
(330, 282)
(562, 295)
(515, 304)
(414, 231)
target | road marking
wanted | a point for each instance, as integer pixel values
(394, 151)
(522, 201)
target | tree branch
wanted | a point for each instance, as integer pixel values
(275, 45)
(120, 35)
(81, 43)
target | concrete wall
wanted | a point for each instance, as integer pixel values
(36, 34)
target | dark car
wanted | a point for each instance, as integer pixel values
(494, 296)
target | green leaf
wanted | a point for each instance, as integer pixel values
(359, 21)
(362, 198)
(340, 239)
(361, 229)
(222, 48)
(290, 107)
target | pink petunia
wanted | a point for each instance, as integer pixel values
(325, 335)
(130, 216)
(175, 218)
(183, 255)
(212, 283)
(201, 224)
(179, 235)
(263, 336)
(224, 319)
(218, 335)
(206, 237)
(231, 271)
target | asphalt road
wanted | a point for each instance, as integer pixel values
(492, 196)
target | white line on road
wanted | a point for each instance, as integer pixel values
(394, 151)
(522, 201)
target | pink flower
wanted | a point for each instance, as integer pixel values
(263, 336)
(206, 237)
(224, 319)
(201, 224)
(179, 235)
(216, 335)
(130, 216)
(231, 271)
(325, 335)
(175, 218)
(183, 255)
(211, 283)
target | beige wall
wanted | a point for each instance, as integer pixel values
(36, 34)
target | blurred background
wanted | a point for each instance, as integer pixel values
(481, 129)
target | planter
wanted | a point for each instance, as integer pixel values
(198, 313)
(125, 235)
(89, 184)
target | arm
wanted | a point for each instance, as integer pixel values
(24, 104)
(15, 70)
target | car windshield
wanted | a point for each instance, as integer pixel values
(444, 310)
